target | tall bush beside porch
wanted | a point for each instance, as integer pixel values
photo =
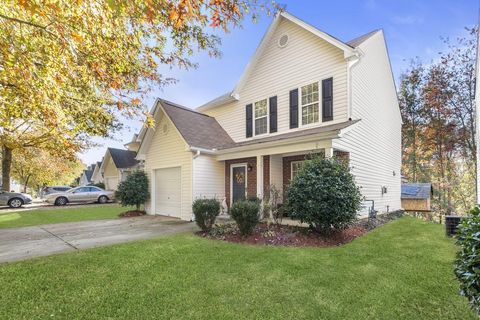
(324, 195)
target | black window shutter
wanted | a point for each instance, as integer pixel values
(273, 114)
(294, 109)
(327, 99)
(249, 120)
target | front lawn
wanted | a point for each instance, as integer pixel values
(402, 270)
(57, 215)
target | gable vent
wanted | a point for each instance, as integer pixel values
(283, 41)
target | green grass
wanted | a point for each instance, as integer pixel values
(46, 216)
(402, 270)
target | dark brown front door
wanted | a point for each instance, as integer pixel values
(239, 183)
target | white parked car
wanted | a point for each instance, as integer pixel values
(80, 194)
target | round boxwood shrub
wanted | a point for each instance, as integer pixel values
(133, 191)
(324, 195)
(246, 214)
(206, 211)
(467, 264)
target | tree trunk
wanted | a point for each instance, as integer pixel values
(26, 184)
(6, 167)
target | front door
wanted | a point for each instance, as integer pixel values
(239, 183)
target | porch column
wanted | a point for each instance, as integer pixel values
(260, 176)
(329, 152)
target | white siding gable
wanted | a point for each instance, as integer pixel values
(306, 59)
(375, 142)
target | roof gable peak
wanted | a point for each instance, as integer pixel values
(233, 95)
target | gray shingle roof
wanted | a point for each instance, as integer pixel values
(123, 158)
(416, 190)
(359, 40)
(202, 131)
(88, 174)
(198, 129)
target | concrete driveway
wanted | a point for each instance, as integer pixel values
(43, 240)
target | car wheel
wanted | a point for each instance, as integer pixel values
(102, 199)
(61, 201)
(15, 203)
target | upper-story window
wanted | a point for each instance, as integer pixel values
(309, 103)
(261, 117)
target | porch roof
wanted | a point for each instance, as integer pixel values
(292, 135)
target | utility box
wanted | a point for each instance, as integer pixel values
(451, 225)
(416, 197)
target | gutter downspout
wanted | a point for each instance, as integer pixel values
(352, 62)
(195, 156)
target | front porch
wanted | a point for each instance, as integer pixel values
(252, 176)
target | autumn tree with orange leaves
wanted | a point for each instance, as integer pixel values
(67, 68)
(437, 104)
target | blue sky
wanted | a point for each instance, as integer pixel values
(412, 29)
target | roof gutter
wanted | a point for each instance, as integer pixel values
(198, 150)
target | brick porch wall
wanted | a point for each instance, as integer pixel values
(287, 167)
(251, 177)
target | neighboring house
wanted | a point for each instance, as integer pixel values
(86, 177)
(416, 196)
(14, 185)
(134, 144)
(303, 92)
(117, 164)
(97, 174)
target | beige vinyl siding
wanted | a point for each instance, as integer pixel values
(375, 142)
(276, 172)
(306, 59)
(110, 170)
(111, 174)
(169, 150)
(208, 177)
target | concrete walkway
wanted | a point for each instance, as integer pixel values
(43, 240)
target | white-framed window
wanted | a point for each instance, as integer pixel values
(295, 167)
(261, 117)
(309, 103)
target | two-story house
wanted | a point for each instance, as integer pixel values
(302, 92)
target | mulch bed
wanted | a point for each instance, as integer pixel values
(282, 235)
(132, 213)
(294, 236)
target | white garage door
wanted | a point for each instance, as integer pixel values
(111, 183)
(168, 192)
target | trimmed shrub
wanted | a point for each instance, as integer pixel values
(206, 211)
(467, 264)
(134, 190)
(101, 185)
(246, 214)
(324, 195)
